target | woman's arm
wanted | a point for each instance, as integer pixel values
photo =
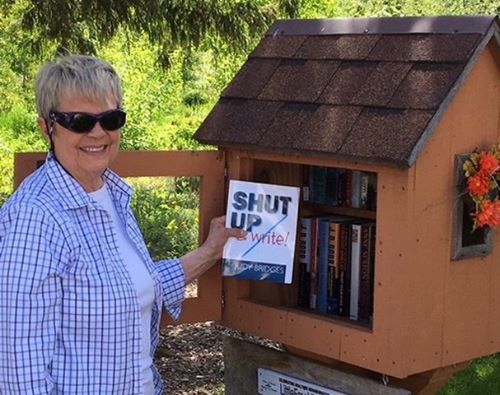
(30, 294)
(176, 273)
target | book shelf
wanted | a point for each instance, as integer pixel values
(336, 243)
(340, 273)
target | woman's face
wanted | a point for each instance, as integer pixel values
(85, 156)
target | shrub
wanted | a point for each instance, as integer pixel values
(18, 133)
(167, 212)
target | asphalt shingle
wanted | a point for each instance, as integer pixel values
(362, 88)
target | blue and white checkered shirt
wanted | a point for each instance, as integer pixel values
(69, 315)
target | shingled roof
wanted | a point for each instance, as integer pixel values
(362, 89)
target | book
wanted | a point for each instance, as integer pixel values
(305, 242)
(305, 184)
(269, 214)
(347, 188)
(341, 185)
(313, 274)
(331, 193)
(355, 267)
(372, 192)
(366, 271)
(332, 305)
(345, 269)
(363, 201)
(356, 188)
(305, 261)
(317, 184)
(323, 242)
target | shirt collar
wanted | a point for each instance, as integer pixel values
(72, 193)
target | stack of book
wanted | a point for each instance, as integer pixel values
(336, 266)
(340, 187)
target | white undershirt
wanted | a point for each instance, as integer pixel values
(140, 277)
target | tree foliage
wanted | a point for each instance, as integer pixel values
(84, 25)
(367, 8)
(167, 213)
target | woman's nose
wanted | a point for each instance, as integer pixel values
(97, 130)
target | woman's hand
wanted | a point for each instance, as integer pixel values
(218, 234)
(198, 261)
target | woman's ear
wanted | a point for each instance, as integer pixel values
(43, 125)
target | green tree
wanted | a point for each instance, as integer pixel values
(83, 25)
(371, 8)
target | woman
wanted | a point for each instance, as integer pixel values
(80, 298)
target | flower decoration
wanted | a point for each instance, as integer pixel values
(482, 173)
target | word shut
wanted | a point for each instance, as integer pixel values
(250, 206)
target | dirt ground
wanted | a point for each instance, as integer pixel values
(190, 358)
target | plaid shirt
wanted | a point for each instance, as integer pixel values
(69, 314)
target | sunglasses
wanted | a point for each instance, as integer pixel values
(82, 122)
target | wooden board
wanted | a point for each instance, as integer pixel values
(243, 358)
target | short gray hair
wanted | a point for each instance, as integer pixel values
(82, 75)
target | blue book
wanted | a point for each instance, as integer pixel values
(332, 179)
(317, 182)
(323, 238)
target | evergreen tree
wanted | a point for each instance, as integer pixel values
(84, 25)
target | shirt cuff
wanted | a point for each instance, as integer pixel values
(173, 282)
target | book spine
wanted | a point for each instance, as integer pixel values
(313, 294)
(310, 182)
(323, 236)
(341, 180)
(348, 189)
(305, 242)
(355, 264)
(356, 189)
(365, 274)
(332, 306)
(345, 268)
(372, 192)
(317, 191)
(363, 202)
(306, 184)
(332, 186)
(304, 261)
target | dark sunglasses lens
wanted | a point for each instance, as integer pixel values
(113, 120)
(82, 123)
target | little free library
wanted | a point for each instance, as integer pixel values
(397, 258)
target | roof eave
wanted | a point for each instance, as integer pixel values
(397, 163)
(383, 25)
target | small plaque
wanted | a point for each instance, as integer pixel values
(274, 383)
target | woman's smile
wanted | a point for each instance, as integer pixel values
(97, 149)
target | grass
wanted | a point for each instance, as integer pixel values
(482, 377)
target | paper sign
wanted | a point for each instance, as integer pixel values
(270, 382)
